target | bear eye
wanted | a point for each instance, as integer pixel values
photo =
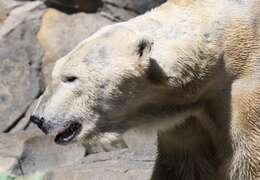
(69, 79)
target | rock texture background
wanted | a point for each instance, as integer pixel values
(33, 35)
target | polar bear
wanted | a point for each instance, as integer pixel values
(190, 68)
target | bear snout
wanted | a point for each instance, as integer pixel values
(39, 121)
(36, 120)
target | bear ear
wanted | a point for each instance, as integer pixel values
(152, 69)
(144, 47)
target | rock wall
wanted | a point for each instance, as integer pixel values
(33, 35)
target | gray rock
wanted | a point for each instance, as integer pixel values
(126, 9)
(20, 57)
(116, 13)
(135, 5)
(7, 163)
(60, 33)
(40, 153)
(9, 5)
(11, 149)
(117, 165)
(32, 151)
(25, 153)
(24, 123)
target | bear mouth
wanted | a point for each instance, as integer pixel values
(68, 134)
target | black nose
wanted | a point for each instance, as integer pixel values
(37, 120)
